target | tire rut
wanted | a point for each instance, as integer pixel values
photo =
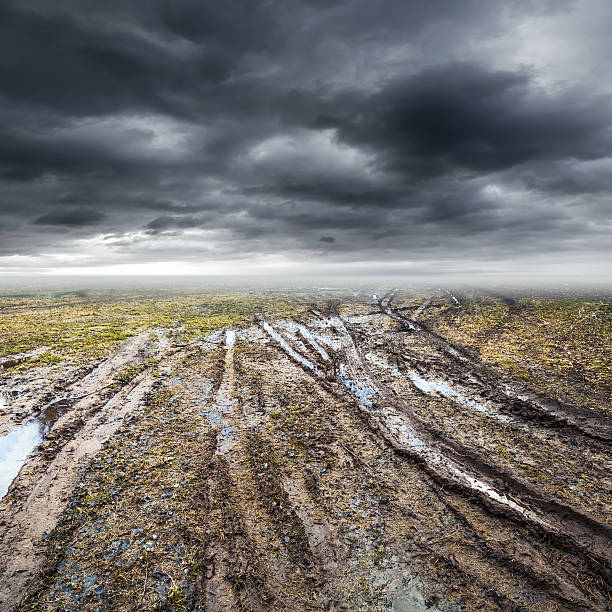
(461, 468)
(41, 490)
(518, 399)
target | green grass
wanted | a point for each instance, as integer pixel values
(79, 328)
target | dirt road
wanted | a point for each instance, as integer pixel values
(346, 457)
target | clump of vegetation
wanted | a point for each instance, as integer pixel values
(559, 346)
(133, 530)
(78, 328)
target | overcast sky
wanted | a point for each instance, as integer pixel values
(237, 136)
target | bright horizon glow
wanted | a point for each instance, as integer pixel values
(560, 271)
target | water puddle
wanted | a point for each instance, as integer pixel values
(17, 445)
(435, 386)
(312, 338)
(288, 349)
(362, 391)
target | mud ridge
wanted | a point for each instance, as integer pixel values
(557, 583)
(460, 467)
(41, 490)
(516, 397)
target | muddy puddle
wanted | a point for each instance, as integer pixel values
(18, 445)
(284, 344)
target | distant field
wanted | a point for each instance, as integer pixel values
(331, 449)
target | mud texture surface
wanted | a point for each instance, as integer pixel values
(310, 452)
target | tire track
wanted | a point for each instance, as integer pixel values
(42, 488)
(455, 465)
(518, 399)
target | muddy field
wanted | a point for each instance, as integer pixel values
(329, 450)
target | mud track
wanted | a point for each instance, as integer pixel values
(455, 464)
(517, 398)
(344, 458)
(34, 501)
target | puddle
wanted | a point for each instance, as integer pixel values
(288, 349)
(434, 386)
(312, 338)
(18, 444)
(362, 391)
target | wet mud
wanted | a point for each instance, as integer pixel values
(341, 457)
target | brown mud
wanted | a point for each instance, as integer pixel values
(343, 458)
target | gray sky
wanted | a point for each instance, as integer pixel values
(278, 136)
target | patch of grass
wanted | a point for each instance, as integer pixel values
(559, 346)
(81, 329)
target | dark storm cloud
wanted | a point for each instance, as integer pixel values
(173, 222)
(465, 116)
(76, 218)
(392, 130)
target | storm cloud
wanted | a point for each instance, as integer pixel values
(334, 133)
